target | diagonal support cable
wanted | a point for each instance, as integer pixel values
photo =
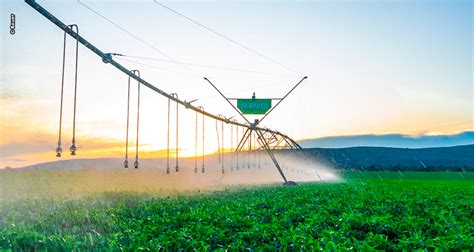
(227, 38)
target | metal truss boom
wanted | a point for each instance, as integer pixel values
(107, 58)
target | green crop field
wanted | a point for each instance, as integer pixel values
(381, 211)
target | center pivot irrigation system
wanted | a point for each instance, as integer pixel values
(267, 139)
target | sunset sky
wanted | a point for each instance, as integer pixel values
(374, 68)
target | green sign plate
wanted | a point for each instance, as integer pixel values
(254, 106)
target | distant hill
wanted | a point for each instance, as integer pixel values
(390, 140)
(456, 158)
(382, 158)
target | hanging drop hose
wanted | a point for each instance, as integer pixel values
(168, 140)
(254, 150)
(177, 133)
(265, 158)
(125, 163)
(202, 108)
(73, 146)
(222, 146)
(243, 148)
(249, 150)
(237, 141)
(59, 150)
(196, 145)
(138, 120)
(231, 147)
(218, 143)
(258, 151)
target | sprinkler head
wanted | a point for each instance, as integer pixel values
(73, 150)
(58, 151)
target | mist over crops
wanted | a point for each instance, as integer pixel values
(87, 176)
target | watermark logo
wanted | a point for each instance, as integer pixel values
(12, 24)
